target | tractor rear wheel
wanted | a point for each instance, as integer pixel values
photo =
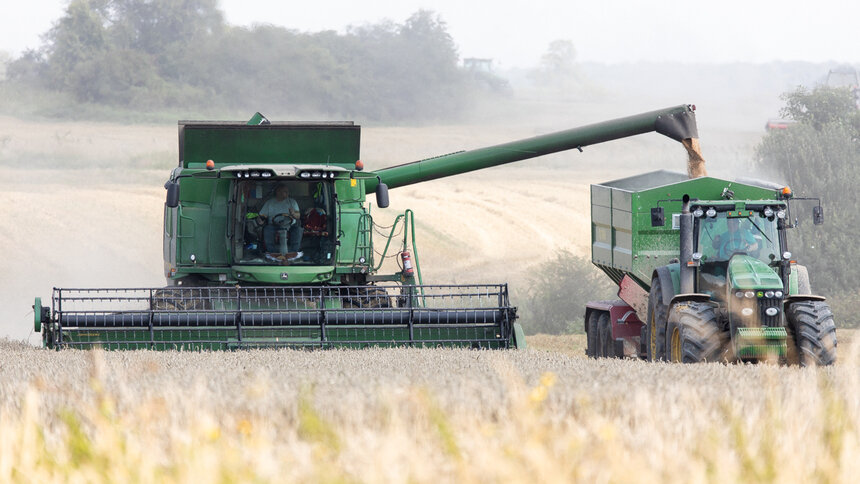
(693, 334)
(811, 333)
(657, 316)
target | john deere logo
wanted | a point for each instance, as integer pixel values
(284, 276)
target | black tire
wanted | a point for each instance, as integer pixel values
(592, 331)
(604, 338)
(658, 314)
(693, 334)
(811, 333)
(607, 342)
(368, 297)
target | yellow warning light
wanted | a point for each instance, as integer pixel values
(353, 182)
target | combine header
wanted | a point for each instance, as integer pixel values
(269, 241)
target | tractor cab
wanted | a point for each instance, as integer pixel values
(739, 249)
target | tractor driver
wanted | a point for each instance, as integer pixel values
(735, 240)
(281, 214)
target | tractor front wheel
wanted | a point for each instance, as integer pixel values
(811, 333)
(693, 334)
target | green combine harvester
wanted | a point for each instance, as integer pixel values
(269, 241)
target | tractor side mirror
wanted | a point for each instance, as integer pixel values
(818, 215)
(382, 195)
(172, 194)
(658, 218)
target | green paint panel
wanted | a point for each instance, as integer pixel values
(236, 143)
(750, 273)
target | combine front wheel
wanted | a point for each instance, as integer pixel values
(811, 333)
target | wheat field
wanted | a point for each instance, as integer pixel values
(421, 415)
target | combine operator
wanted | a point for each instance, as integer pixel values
(282, 214)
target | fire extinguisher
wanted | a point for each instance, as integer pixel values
(407, 263)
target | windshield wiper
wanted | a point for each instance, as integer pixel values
(760, 230)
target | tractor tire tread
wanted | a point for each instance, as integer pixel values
(812, 331)
(701, 337)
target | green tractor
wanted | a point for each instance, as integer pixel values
(714, 282)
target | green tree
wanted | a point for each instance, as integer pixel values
(818, 157)
(558, 292)
(79, 36)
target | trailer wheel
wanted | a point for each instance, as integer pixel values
(592, 332)
(604, 336)
(693, 333)
(658, 315)
(811, 334)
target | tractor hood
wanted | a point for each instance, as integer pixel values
(750, 273)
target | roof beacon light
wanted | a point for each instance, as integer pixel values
(786, 192)
(210, 165)
(359, 165)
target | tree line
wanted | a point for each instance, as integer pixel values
(156, 54)
(819, 156)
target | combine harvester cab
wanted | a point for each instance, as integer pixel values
(704, 273)
(269, 241)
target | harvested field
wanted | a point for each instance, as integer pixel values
(540, 415)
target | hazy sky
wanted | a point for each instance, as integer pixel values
(516, 32)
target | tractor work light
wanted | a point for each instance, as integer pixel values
(698, 212)
(749, 294)
(711, 213)
(769, 294)
(747, 311)
(778, 293)
(768, 212)
(786, 255)
(739, 294)
(771, 311)
(780, 214)
(304, 174)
